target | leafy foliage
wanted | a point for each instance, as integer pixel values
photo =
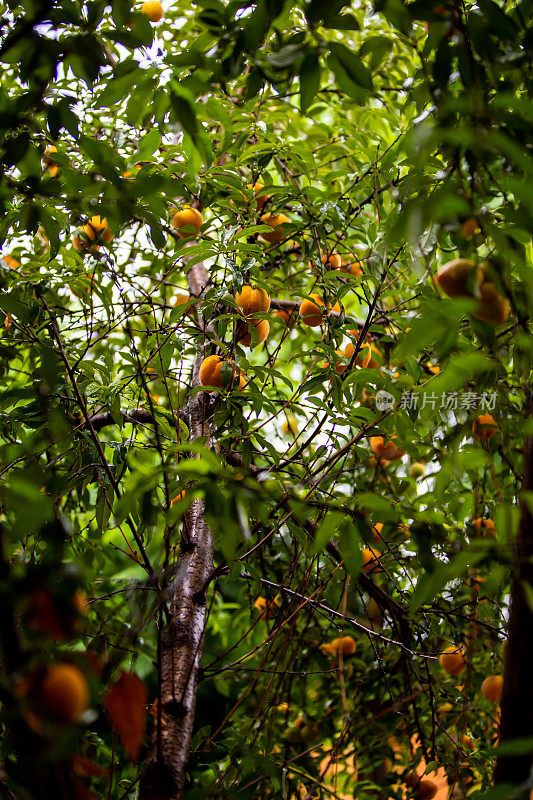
(395, 144)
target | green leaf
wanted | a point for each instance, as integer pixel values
(185, 114)
(309, 80)
(430, 584)
(351, 549)
(103, 509)
(327, 530)
(322, 9)
(286, 55)
(501, 25)
(378, 47)
(353, 65)
(341, 22)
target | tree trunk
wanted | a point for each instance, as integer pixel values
(517, 700)
(163, 777)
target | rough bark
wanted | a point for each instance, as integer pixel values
(517, 700)
(181, 642)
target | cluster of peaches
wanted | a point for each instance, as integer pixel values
(423, 785)
(457, 278)
(216, 371)
(452, 661)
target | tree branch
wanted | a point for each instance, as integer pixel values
(517, 700)
(181, 642)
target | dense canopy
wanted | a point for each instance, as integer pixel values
(265, 396)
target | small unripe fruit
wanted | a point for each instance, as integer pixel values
(290, 425)
(310, 732)
(374, 613)
(292, 735)
(418, 469)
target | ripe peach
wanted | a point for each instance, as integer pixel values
(101, 229)
(216, 371)
(181, 299)
(452, 660)
(484, 527)
(259, 198)
(344, 645)
(11, 262)
(340, 365)
(51, 166)
(262, 327)
(388, 450)
(351, 266)
(363, 356)
(376, 530)
(276, 222)
(186, 219)
(92, 234)
(153, 10)
(493, 307)
(484, 426)
(179, 496)
(492, 688)
(371, 558)
(268, 608)
(469, 227)
(426, 790)
(460, 277)
(251, 300)
(288, 317)
(332, 261)
(311, 311)
(463, 278)
(64, 692)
